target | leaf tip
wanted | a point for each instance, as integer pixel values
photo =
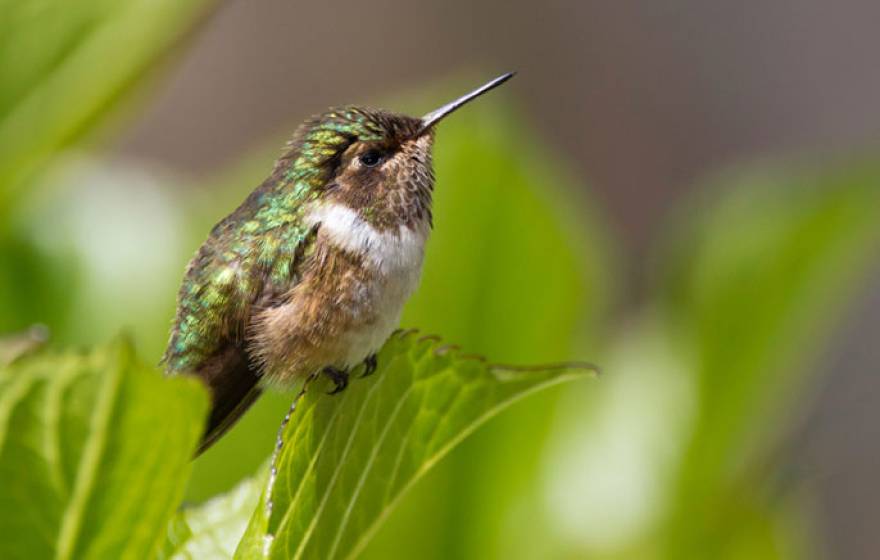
(576, 369)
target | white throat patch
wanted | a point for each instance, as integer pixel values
(390, 251)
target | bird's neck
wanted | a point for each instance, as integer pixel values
(388, 248)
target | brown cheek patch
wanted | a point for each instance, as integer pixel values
(358, 190)
(394, 193)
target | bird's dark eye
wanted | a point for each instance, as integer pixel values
(371, 158)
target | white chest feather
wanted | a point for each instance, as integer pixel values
(394, 255)
(390, 251)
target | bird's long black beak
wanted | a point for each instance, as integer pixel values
(435, 116)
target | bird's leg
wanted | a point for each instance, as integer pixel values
(370, 365)
(338, 376)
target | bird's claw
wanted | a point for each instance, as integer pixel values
(338, 377)
(370, 365)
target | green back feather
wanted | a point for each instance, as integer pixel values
(250, 257)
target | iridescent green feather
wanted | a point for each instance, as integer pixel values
(250, 255)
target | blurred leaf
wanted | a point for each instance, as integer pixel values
(125, 229)
(753, 284)
(347, 460)
(16, 346)
(63, 63)
(35, 284)
(213, 529)
(612, 458)
(94, 453)
(517, 262)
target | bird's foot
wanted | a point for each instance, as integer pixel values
(337, 376)
(370, 365)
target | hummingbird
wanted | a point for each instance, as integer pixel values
(308, 276)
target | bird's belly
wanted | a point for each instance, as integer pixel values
(375, 316)
(343, 310)
(390, 264)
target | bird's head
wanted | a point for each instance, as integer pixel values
(375, 162)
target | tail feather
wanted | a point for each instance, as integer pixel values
(234, 386)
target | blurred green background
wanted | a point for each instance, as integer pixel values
(720, 265)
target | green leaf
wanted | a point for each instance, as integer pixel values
(94, 454)
(347, 460)
(62, 64)
(213, 529)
